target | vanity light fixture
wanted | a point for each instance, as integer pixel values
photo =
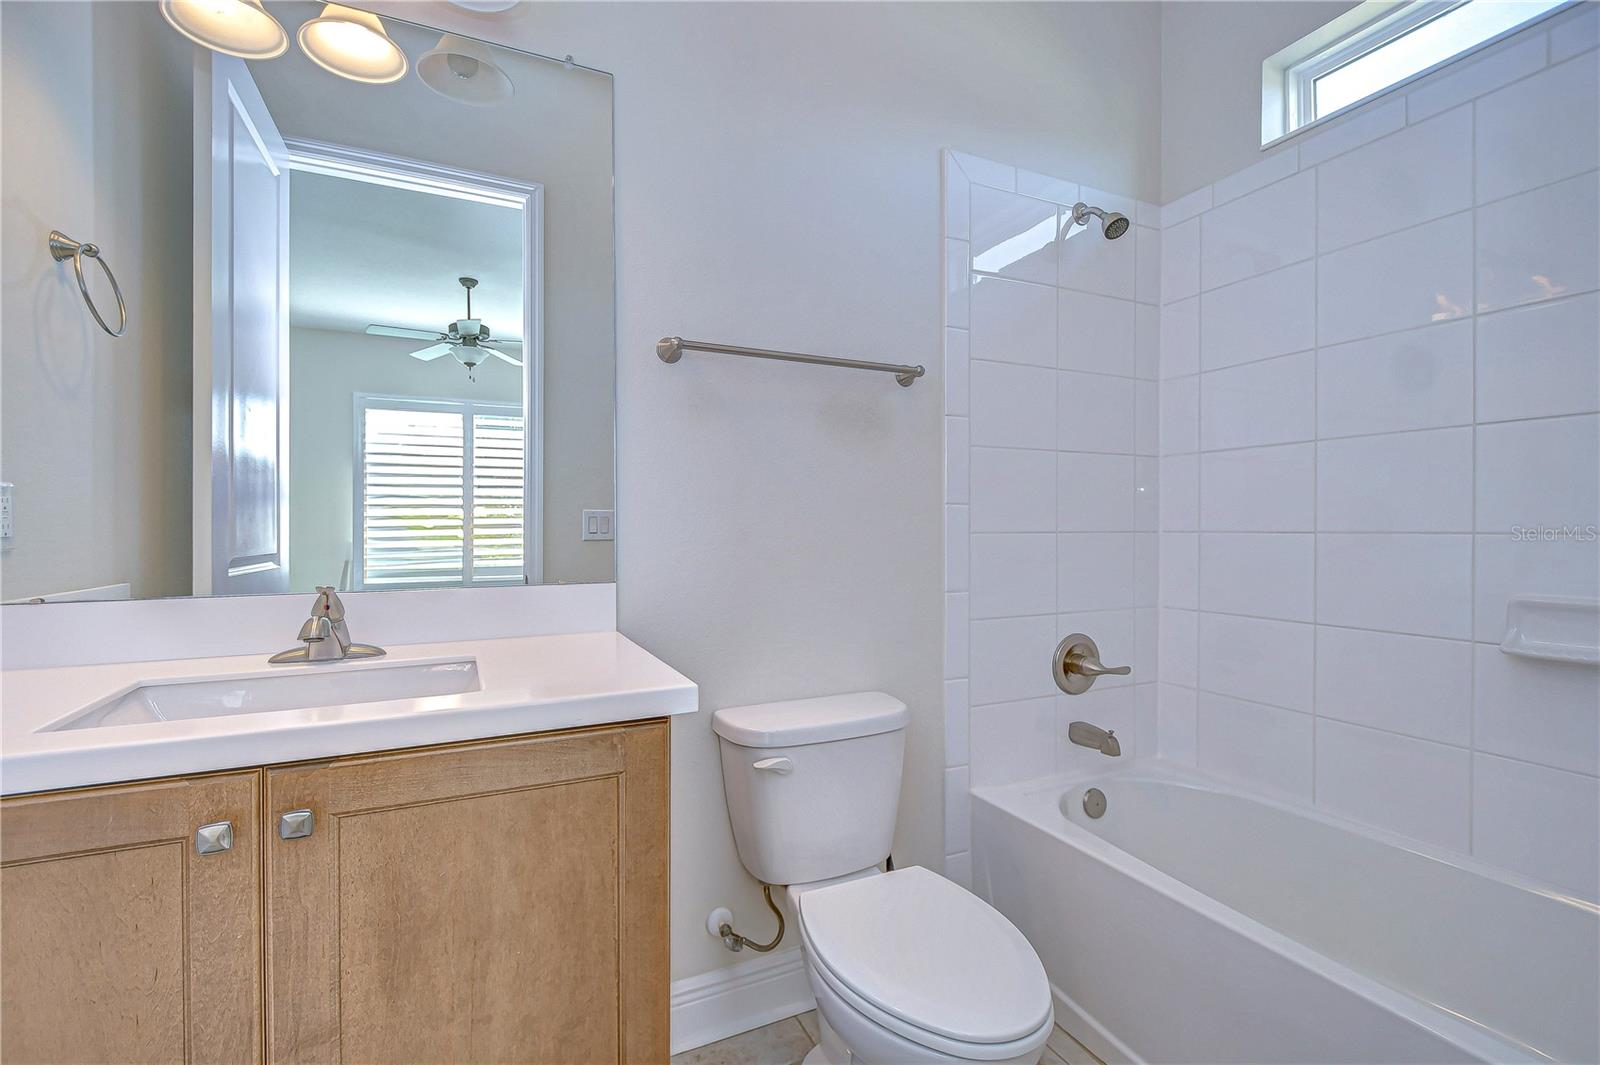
(234, 27)
(465, 71)
(352, 44)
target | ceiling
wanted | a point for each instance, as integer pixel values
(361, 253)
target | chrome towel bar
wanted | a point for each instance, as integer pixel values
(671, 349)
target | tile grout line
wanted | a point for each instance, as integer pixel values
(1301, 441)
(1472, 573)
(1316, 449)
(968, 545)
(1055, 486)
(1343, 627)
(1346, 723)
(1133, 589)
(1365, 338)
(1199, 430)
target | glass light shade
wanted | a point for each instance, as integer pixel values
(465, 71)
(234, 27)
(352, 44)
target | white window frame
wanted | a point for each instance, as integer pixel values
(1288, 79)
(378, 168)
(468, 409)
(1300, 80)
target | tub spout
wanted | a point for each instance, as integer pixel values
(1101, 739)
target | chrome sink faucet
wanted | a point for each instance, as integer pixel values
(325, 637)
(1103, 740)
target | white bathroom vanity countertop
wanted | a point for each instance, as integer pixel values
(526, 684)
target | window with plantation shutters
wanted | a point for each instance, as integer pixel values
(439, 493)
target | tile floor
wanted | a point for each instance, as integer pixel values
(787, 1041)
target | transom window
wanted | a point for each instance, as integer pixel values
(1375, 47)
(439, 493)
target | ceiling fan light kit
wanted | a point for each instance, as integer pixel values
(467, 340)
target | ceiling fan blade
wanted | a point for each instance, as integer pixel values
(403, 332)
(512, 359)
(503, 340)
(429, 354)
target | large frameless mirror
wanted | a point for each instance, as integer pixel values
(362, 273)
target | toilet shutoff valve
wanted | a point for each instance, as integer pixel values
(720, 924)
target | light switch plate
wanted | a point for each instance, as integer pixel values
(599, 525)
(7, 523)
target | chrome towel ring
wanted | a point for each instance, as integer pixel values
(62, 248)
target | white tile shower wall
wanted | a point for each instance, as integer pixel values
(1379, 377)
(1052, 345)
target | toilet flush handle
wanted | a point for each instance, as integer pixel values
(774, 765)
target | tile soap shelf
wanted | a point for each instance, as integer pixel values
(1554, 628)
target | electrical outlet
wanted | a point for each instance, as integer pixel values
(599, 525)
(7, 522)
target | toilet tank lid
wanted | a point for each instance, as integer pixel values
(802, 721)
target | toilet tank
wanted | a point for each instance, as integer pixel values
(813, 784)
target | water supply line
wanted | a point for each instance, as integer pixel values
(735, 942)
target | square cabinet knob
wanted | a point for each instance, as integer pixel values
(217, 836)
(296, 824)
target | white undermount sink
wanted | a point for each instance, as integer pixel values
(331, 685)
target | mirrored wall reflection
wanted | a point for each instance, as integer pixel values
(369, 294)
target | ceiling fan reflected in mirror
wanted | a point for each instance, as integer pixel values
(467, 340)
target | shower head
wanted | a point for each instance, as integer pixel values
(1114, 224)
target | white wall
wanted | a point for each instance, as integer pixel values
(1211, 57)
(95, 430)
(1050, 399)
(326, 370)
(778, 185)
(1380, 359)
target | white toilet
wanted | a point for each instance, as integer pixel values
(906, 966)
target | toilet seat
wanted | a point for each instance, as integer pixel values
(929, 961)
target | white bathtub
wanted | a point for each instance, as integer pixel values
(1196, 924)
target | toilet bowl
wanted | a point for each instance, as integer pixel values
(909, 967)
(906, 966)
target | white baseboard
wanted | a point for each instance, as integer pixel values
(737, 998)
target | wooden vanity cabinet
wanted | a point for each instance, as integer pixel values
(495, 901)
(503, 901)
(118, 942)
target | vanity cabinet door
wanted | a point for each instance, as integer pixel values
(119, 941)
(503, 901)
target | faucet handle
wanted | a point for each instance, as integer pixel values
(1091, 667)
(328, 603)
(1077, 664)
(323, 636)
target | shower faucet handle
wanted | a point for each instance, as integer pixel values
(1077, 664)
(1086, 667)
